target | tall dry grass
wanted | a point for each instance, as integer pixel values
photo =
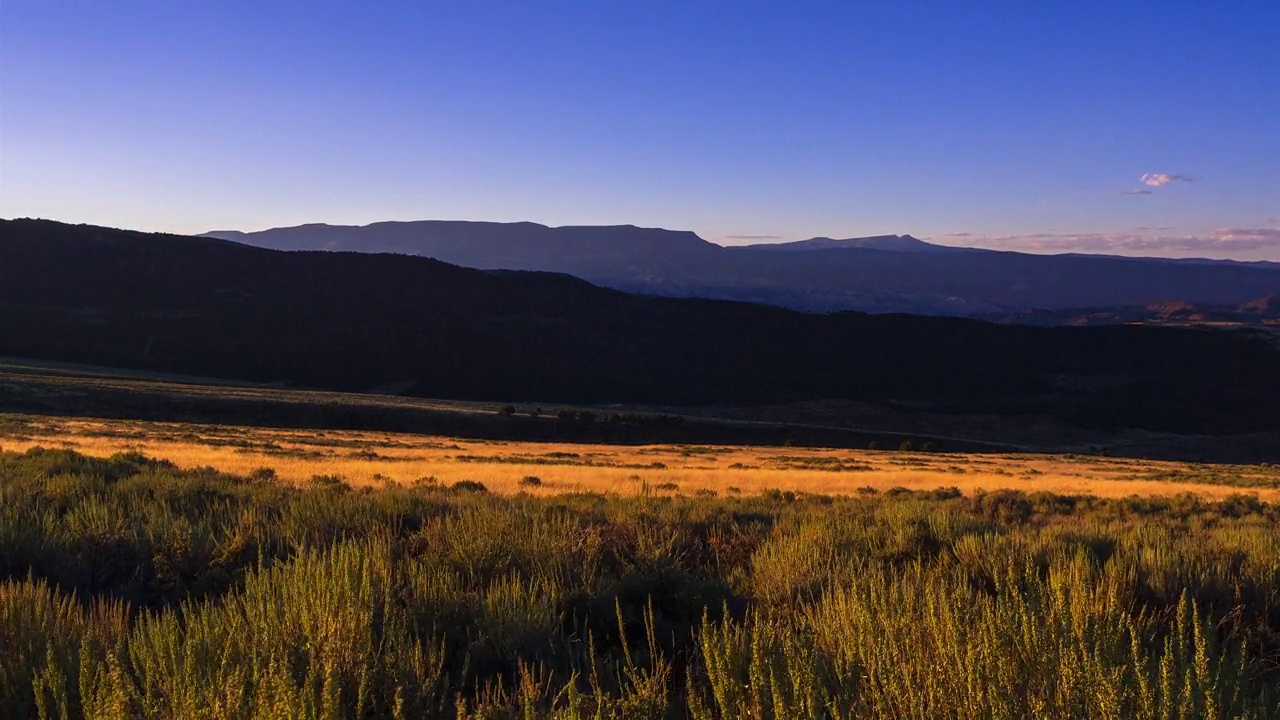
(129, 588)
(369, 458)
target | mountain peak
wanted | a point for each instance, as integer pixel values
(895, 243)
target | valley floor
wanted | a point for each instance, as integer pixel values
(362, 458)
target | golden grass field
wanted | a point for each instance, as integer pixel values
(374, 458)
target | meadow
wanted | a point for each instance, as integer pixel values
(132, 588)
(366, 458)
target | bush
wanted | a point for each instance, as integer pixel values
(1006, 506)
(335, 483)
(530, 481)
(776, 495)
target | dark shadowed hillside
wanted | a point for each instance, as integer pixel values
(889, 273)
(356, 321)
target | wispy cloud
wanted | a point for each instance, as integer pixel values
(1138, 191)
(752, 237)
(1253, 243)
(1255, 237)
(1162, 179)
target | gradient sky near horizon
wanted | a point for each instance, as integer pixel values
(1147, 128)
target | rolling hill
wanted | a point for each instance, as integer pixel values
(355, 321)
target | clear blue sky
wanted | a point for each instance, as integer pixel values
(1010, 124)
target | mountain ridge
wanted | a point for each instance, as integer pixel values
(905, 242)
(886, 273)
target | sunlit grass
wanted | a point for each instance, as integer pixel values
(131, 589)
(373, 458)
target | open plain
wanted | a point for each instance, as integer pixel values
(362, 458)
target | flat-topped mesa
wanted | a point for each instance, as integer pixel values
(491, 245)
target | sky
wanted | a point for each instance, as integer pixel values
(1141, 128)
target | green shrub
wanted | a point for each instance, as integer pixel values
(335, 483)
(263, 474)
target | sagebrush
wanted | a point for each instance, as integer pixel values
(129, 588)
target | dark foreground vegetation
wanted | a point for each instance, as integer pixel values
(129, 588)
(415, 326)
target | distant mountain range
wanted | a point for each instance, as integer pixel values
(890, 273)
(356, 321)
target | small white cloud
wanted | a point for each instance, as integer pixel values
(1162, 179)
